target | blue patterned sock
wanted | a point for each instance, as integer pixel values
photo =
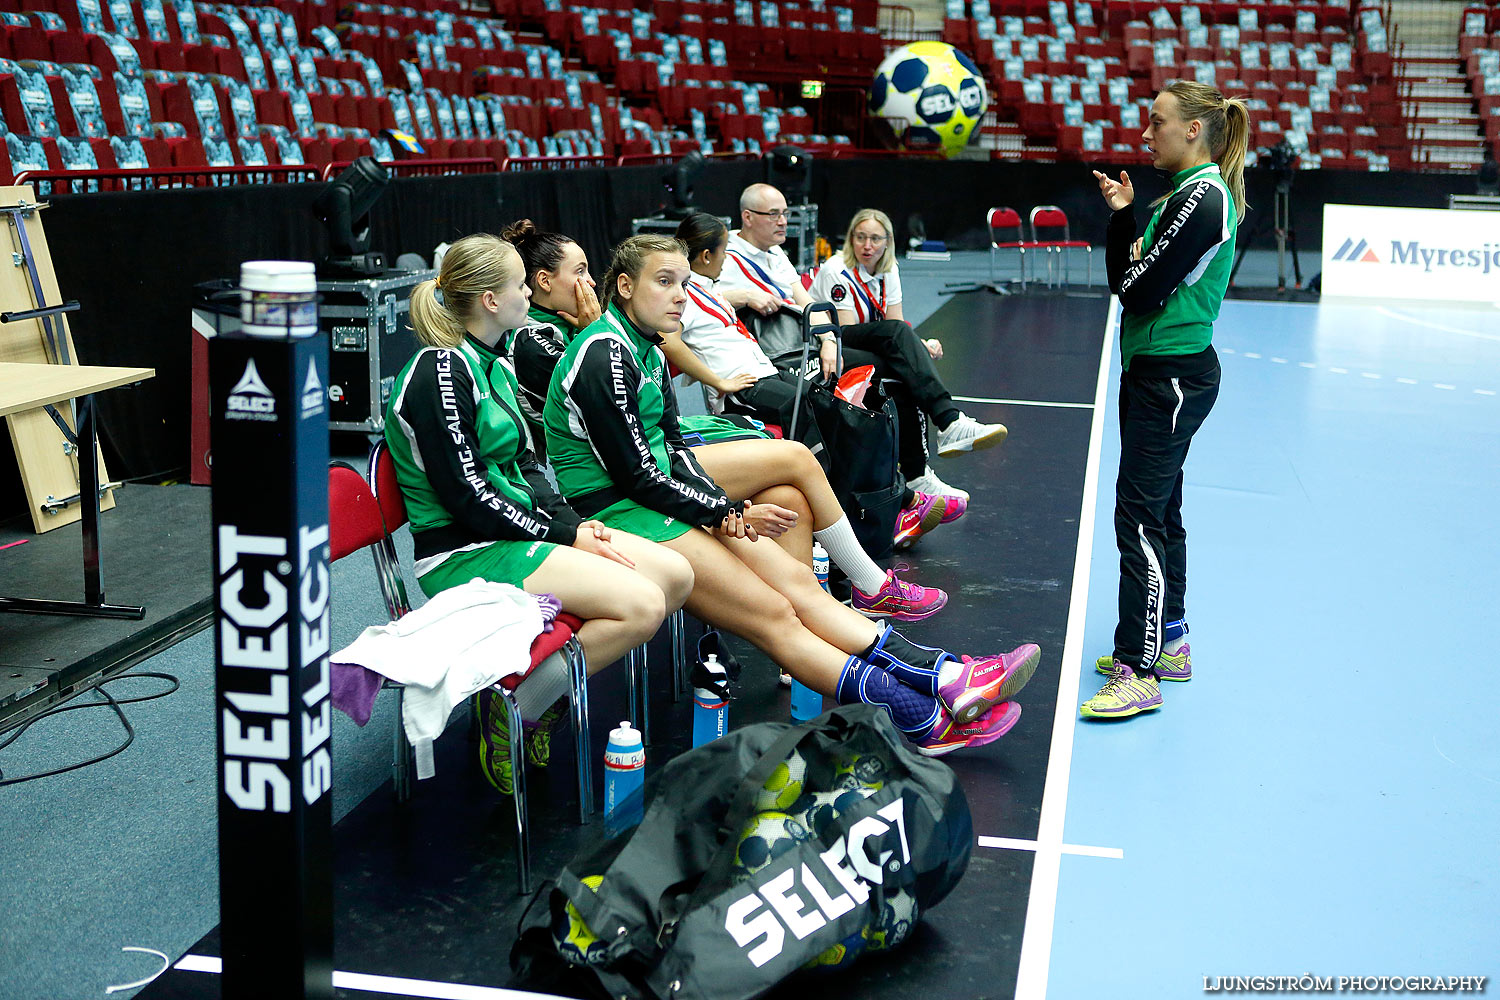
(912, 664)
(1172, 631)
(913, 712)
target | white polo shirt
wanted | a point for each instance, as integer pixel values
(868, 295)
(713, 332)
(749, 267)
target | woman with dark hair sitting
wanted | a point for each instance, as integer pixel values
(612, 431)
(557, 272)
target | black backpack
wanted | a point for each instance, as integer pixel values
(773, 849)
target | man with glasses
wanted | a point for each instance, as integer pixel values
(759, 276)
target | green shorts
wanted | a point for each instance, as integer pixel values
(497, 562)
(627, 515)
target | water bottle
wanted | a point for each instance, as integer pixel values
(624, 774)
(807, 703)
(710, 701)
(820, 564)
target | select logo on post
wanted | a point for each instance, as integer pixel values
(250, 399)
(1360, 252)
(312, 392)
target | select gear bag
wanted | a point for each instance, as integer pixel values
(773, 849)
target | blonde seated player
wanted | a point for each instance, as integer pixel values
(563, 301)
(612, 434)
(478, 503)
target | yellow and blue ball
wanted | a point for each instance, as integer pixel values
(932, 93)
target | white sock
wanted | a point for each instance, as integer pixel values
(1173, 646)
(547, 683)
(844, 551)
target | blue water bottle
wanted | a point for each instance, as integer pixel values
(624, 774)
(710, 701)
(807, 703)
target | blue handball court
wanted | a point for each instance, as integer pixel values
(1323, 797)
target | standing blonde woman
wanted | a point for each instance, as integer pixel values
(1171, 282)
(478, 503)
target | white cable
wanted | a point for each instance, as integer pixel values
(165, 962)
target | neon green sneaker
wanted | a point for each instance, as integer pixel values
(494, 742)
(538, 737)
(1176, 666)
(1126, 693)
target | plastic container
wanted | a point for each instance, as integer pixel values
(278, 298)
(624, 774)
(820, 564)
(710, 707)
(807, 703)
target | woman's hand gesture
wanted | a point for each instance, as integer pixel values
(594, 536)
(770, 520)
(1117, 194)
(588, 306)
(734, 383)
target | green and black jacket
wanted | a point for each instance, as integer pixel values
(612, 431)
(463, 456)
(1171, 296)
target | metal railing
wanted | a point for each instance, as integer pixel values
(163, 178)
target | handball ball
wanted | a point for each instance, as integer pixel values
(934, 89)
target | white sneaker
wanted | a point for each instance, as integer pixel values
(929, 483)
(968, 434)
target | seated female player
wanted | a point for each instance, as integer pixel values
(612, 432)
(480, 506)
(715, 348)
(557, 274)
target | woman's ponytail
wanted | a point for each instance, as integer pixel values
(1236, 143)
(472, 266)
(435, 326)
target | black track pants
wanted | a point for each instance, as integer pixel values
(1158, 418)
(899, 354)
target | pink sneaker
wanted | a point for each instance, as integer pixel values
(954, 508)
(926, 513)
(988, 680)
(949, 735)
(907, 602)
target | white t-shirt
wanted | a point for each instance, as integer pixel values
(868, 295)
(713, 332)
(748, 267)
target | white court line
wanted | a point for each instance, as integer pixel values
(1435, 326)
(385, 984)
(1041, 906)
(1024, 402)
(1082, 850)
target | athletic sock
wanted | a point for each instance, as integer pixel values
(922, 668)
(845, 552)
(945, 418)
(1174, 634)
(913, 712)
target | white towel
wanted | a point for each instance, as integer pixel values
(460, 642)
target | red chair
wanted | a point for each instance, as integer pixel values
(362, 515)
(1054, 220)
(1006, 234)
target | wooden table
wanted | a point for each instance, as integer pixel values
(29, 386)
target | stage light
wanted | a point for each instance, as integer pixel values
(677, 180)
(789, 168)
(344, 206)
